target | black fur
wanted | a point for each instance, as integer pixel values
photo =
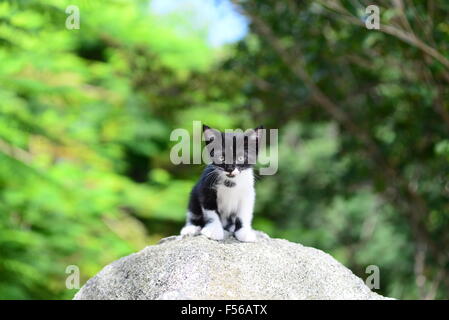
(203, 195)
(229, 223)
(229, 183)
(238, 224)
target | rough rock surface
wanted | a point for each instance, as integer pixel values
(199, 268)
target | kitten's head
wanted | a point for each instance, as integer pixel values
(233, 152)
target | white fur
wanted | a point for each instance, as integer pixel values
(246, 235)
(190, 230)
(238, 199)
(214, 229)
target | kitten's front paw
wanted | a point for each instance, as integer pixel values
(246, 235)
(190, 230)
(214, 232)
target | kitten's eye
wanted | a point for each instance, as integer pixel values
(240, 159)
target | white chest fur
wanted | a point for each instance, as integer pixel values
(231, 200)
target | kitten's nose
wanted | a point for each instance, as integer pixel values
(233, 173)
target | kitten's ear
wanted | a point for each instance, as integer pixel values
(209, 133)
(256, 133)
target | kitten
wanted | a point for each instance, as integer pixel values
(224, 196)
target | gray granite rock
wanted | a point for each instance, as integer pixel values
(199, 268)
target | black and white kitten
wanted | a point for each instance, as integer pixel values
(223, 198)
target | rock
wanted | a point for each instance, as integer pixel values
(199, 268)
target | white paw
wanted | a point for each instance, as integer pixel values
(190, 230)
(213, 231)
(246, 235)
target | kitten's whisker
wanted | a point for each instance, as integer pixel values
(214, 174)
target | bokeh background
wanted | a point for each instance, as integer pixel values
(86, 115)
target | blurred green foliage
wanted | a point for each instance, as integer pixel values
(86, 115)
(363, 162)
